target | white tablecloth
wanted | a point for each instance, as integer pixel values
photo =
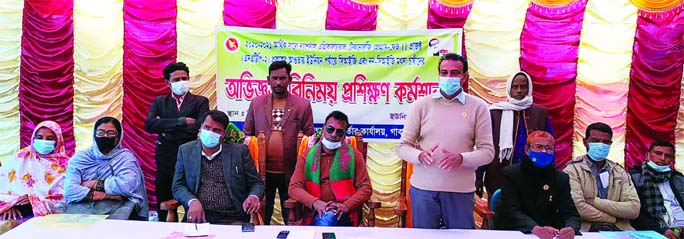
(105, 229)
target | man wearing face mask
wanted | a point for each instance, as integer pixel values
(535, 195)
(216, 182)
(447, 136)
(331, 178)
(174, 118)
(511, 122)
(661, 190)
(602, 190)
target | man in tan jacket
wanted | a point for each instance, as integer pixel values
(604, 194)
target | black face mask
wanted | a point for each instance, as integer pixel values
(105, 143)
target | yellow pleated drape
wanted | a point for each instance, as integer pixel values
(492, 40)
(605, 57)
(402, 15)
(98, 65)
(10, 52)
(384, 169)
(679, 133)
(301, 14)
(195, 26)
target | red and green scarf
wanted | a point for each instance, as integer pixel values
(341, 177)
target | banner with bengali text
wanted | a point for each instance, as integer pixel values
(373, 77)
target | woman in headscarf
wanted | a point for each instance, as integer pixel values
(31, 182)
(106, 171)
(512, 120)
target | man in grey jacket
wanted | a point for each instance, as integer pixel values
(216, 182)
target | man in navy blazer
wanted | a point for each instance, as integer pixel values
(175, 119)
(216, 182)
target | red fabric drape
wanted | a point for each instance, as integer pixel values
(442, 16)
(149, 45)
(549, 46)
(249, 13)
(343, 15)
(47, 68)
(654, 88)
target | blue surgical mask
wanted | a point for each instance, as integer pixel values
(329, 144)
(180, 87)
(658, 168)
(541, 159)
(44, 146)
(598, 151)
(449, 85)
(209, 139)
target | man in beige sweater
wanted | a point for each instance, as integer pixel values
(447, 136)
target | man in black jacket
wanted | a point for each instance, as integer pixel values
(661, 190)
(535, 195)
(174, 118)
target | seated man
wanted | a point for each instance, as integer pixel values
(98, 179)
(216, 182)
(331, 178)
(535, 196)
(602, 190)
(661, 191)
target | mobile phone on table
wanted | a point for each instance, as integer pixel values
(283, 234)
(247, 227)
(329, 235)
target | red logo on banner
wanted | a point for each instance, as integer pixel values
(232, 44)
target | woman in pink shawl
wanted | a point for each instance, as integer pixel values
(31, 182)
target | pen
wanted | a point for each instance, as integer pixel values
(195, 227)
(236, 170)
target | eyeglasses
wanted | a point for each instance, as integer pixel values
(338, 132)
(102, 133)
(540, 148)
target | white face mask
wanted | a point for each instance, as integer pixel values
(180, 87)
(330, 145)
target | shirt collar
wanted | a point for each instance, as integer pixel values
(213, 155)
(460, 97)
(180, 98)
(593, 166)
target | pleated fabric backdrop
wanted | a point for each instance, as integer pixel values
(616, 61)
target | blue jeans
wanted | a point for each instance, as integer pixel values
(435, 209)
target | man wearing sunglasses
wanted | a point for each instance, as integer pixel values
(281, 116)
(447, 136)
(331, 178)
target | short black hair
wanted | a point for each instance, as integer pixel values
(170, 68)
(600, 126)
(453, 57)
(430, 42)
(279, 65)
(338, 115)
(108, 119)
(218, 116)
(661, 143)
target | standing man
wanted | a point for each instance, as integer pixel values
(281, 115)
(602, 190)
(174, 118)
(447, 136)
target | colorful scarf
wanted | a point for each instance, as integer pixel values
(652, 197)
(39, 176)
(341, 177)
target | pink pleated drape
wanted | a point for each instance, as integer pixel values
(149, 45)
(249, 13)
(655, 80)
(348, 16)
(549, 46)
(47, 68)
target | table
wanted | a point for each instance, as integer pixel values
(43, 227)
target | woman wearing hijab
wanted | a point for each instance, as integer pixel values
(512, 120)
(31, 182)
(106, 172)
